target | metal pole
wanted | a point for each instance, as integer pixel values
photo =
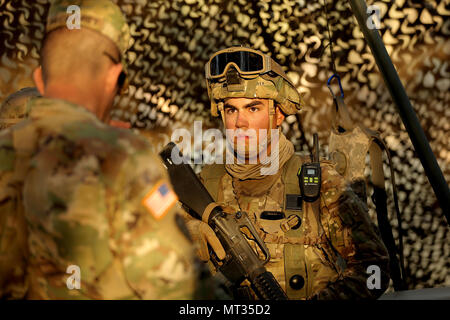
(409, 118)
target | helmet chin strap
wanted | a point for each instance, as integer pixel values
(272, 115)
(271, 120)
(222, 113)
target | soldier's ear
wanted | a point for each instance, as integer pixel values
(39, 80)
(279, 116)
(112, 77)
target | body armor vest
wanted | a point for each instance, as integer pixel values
(285, 224)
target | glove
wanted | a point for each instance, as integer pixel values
(202, 234)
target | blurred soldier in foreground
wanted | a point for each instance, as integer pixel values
(319, 249)
(94, 201)
(14, 108)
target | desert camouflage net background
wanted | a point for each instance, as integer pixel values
(172, 40)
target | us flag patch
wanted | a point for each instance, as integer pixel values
(160, 199)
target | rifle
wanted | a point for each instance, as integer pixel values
(233, 230)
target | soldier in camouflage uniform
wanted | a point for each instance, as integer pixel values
(88, 197)
(14, 108)
(319, 250)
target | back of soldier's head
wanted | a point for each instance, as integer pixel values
(82, 38)
(79, 56)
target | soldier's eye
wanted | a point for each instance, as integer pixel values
(230, 110)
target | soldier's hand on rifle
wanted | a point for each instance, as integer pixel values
(202, 235)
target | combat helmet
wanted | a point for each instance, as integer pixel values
(239, 72)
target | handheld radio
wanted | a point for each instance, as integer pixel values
(309, 175)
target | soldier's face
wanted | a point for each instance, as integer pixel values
(243, 114)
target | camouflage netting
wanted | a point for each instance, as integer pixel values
(173, 40)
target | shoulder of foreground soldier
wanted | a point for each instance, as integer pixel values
(14, 107)
(13, 284)
(149, 234)
(158, 256)
(114, 172)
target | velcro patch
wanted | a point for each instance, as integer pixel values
(160, 199)
(294, 202)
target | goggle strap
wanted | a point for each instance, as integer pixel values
(275, 67)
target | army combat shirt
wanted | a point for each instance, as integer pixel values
(87, 212)
(310, 261)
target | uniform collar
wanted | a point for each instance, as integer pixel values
(45, 107)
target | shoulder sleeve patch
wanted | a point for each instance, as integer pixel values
(160, 199)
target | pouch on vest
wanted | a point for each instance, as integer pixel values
(349, 143)
(295, 267)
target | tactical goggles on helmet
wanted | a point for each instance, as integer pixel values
(246, 61)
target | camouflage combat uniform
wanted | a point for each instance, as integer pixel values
(84, 196)
(14, 108)
(13, 240)
(76, 186)
(332, 265)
